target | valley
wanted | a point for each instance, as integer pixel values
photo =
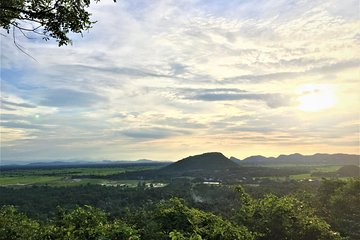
(207, 182)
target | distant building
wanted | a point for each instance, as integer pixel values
(155, 185)
(211, 183)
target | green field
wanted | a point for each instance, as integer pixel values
(27, 180)
(304, 176)
(70, 171)
(67, 176)
(75, 176)
(61, 181)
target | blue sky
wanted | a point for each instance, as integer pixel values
(168, 79)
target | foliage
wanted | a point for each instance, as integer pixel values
(87, 223)
(175, 235)
(207, 225)
(338, 202)
(15, 225)
(82, 223)
(168, 219)
(174, 219)
(285, 217)
(48, 18)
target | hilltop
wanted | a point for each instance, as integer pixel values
(205, 162)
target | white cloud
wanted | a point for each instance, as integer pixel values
(129, 72)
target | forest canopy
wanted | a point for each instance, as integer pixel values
(267, 218)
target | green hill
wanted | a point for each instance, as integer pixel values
(349, 171)
(205, 162)
(318, 158)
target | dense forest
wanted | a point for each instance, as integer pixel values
(184, 210)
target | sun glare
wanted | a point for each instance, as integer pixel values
(314, 98)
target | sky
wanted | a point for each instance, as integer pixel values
(167, 79)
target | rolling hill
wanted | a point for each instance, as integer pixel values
(205, 162)
(348, 171)
(318, 158)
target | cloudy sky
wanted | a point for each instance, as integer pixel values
(167, 79)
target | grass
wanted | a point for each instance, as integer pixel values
(61, 181)
(326, 168)
(304, 176)
(66, 176)
(308, 165)
(28, 180)
(72, 171)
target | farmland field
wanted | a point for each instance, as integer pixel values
(74, 176)
(69, 176)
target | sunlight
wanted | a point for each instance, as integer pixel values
(313, 98)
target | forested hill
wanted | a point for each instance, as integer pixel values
(207, 161)
(318, 158)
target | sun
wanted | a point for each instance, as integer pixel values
(316, 97)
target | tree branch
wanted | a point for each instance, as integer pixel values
(20, 47)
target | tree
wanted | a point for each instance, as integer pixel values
(81, 223)
(338, 203)
(285, 217)
(51, 19)
(88, 223)
(15, 225)
(173, 219)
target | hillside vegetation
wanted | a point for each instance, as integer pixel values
(205, 196)
(204, 162)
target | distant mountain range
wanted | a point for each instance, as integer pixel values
(207, 161)
(318, 158)
(210, 161)
(76, 163)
